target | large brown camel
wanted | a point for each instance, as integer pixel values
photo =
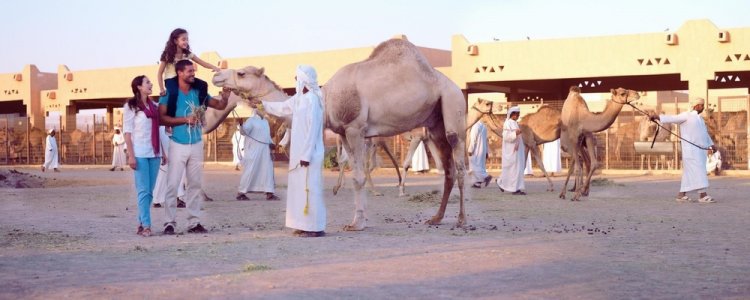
(542, 126)
(576, 120)
(392, 91)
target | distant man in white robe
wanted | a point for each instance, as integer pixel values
(513, 160)
(714, 162)
(693, 129)
(478, 154)
(119, 158)
(551, 157)
(238, 148)
(50, 152)
(419, 161)
(305, 209)
(257, 164)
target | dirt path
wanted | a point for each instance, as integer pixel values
(75, 238)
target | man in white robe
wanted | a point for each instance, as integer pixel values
(693, 129)
(419, 160)
(551, 157)
(119, 158)
(305, 209)
(714, 162)
(257, 164)
(514, 159)
(478, 154)
(50, 152)
(238, 148)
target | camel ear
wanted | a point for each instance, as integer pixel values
(612, 91)
(260, 71)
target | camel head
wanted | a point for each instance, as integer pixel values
(250, 83)
(480, 108)
(623, 96)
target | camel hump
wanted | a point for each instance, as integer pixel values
(575, 89)
(394, 49)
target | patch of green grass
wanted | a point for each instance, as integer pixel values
(253, 268)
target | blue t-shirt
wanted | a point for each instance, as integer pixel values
(184, 134)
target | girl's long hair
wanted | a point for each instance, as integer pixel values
(170, 49)
(133, 102)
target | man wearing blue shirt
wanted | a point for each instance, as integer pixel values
(182, 113)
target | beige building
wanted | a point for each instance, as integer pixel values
(699, 60)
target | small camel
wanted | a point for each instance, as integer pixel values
(542, 126)
(393, 91)
(577, 121)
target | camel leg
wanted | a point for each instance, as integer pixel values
(393, 160)
(538, 157)
(450, 139)
(372, 149)
(433, 149)
(340, 181)
(356, 141)
(574, 157)
(590, 161)
(407, 164)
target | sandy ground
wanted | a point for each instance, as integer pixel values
(76, 238)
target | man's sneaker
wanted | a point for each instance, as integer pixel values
(169, 229)
(180, 203)
(197, 229)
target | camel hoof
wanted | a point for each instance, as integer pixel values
(461, 222)
(353, 227)
(377, 194)
(403, 195)
(562, 196)
(434, 221)
(335, 191)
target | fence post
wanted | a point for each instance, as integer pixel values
(28, 141)
(216, 154)
(7, 141)
(93, 137)
(606, 149)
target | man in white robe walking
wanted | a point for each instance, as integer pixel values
(50, 152)
(514, 159)
(693, 129)
(119, 158)
(238, 148)
(257, 164)
(305, 209)
(478, 154)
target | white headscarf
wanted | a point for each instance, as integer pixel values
(514, 109)
(697, 101)
(308, 78)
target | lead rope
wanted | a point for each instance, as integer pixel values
(662, 127)
(307, 190)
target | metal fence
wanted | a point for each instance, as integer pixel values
(617, 147)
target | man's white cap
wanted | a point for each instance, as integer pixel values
(514, 109)
(51, 130)
(697, 101)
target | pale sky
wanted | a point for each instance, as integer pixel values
(99, 34)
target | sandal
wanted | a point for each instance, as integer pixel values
(272, 198)
(242, 197)
(140, 230)
(519, 193)
(477, 185)
(683, 199)
(487, 180)
(707, 199)
(146, 232)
